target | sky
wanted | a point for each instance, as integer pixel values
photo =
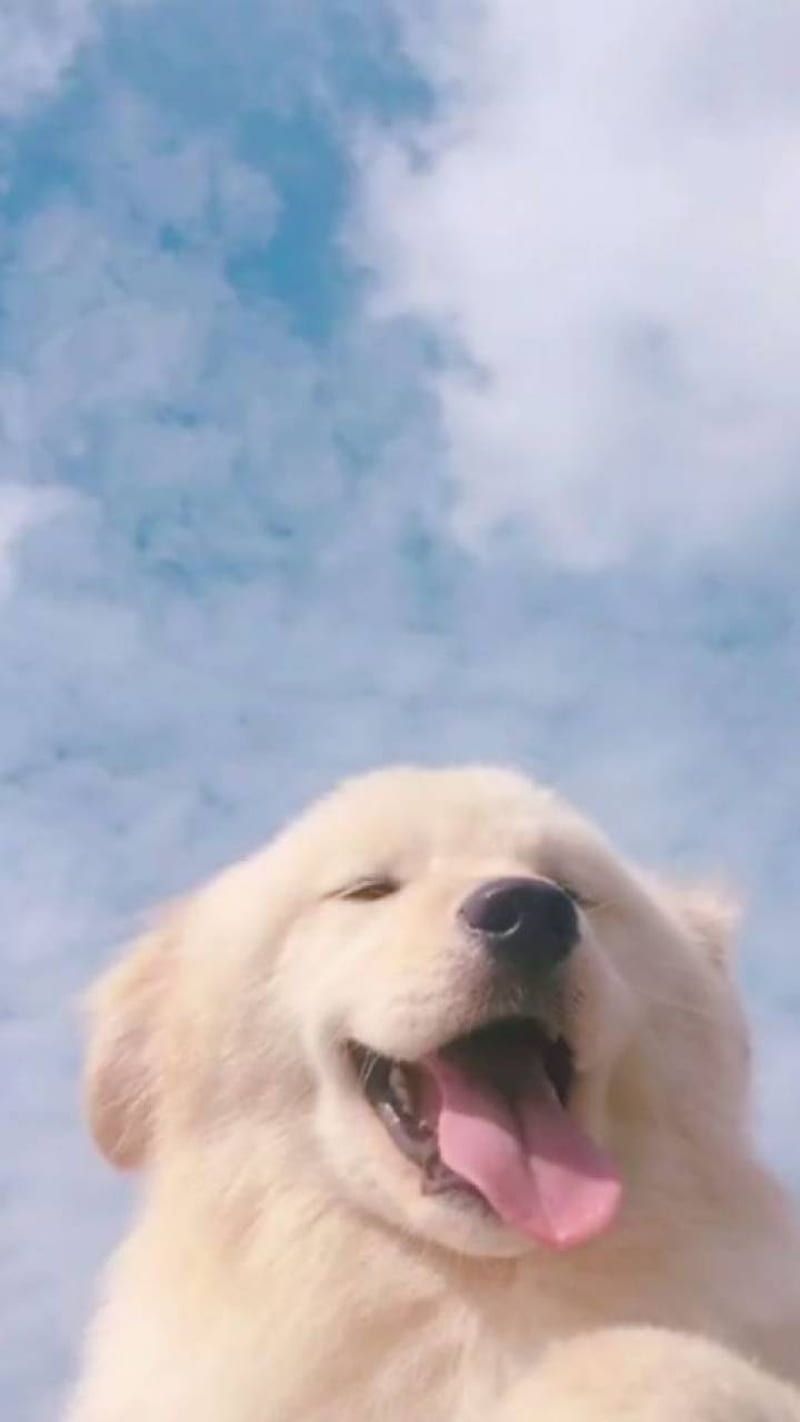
(379, 382)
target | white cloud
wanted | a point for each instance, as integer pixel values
(21, 509)
(190, 182)
(39, 40)
(601, 214)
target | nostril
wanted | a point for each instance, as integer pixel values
(502, 914)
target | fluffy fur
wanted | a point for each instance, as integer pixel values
(285, 1264)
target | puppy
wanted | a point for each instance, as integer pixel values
(442, 1113)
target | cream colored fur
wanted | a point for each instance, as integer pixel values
(285, 1265)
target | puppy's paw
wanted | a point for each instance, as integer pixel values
(647, 1375)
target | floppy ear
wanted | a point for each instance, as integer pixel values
(712, 914)
(123, 1067)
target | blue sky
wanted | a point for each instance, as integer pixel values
(417, 382)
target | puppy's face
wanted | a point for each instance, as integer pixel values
(459, 1008)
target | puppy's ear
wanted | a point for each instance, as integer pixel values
(712, 914)
(123, 1067)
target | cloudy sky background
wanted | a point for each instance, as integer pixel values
(380, 382)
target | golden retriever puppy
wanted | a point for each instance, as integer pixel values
(438, 1101)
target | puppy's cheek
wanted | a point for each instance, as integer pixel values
(351, 1154)
(601, 1011)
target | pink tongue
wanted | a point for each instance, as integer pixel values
(533, 1164)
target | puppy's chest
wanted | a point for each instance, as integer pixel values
(452, 1367)
(442, 1388)
(441, 1363)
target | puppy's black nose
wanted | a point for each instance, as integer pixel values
(529, 925)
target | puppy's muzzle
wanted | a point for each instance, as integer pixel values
(527, 926)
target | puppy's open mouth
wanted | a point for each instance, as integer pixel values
(487, 1117)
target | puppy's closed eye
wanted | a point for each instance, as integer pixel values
(578, 898)
(366, 890)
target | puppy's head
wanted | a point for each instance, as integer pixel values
(440, 998)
